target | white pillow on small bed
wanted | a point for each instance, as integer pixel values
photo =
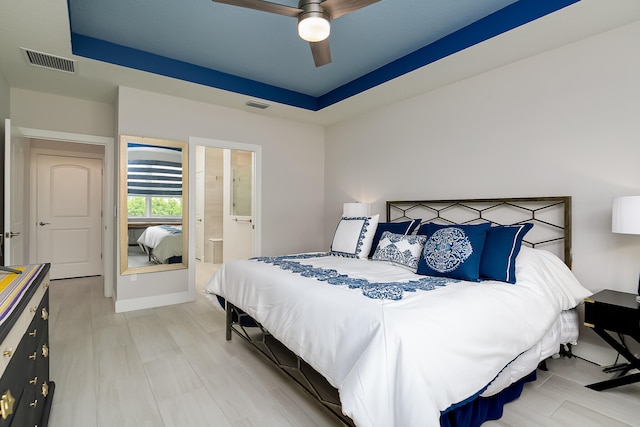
(354, 236)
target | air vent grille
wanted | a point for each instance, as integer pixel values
(257, 104)
(52, 62)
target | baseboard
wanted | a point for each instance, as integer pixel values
(154, 301)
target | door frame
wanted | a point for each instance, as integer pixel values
(10, 226)
(257, 194)
(108, 192)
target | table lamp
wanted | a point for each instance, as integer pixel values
(625, 219)
(356, 209)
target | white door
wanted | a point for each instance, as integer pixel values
(238, 205)
(14, 193)
(69, 215)
(200, 166)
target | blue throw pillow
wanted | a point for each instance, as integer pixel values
(405, 227)
(453, 251)
(501, 247)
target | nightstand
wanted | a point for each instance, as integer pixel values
(617, 312)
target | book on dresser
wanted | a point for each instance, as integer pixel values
(26, 391)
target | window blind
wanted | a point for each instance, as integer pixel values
(154, 178)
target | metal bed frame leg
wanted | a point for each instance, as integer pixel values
(229, 310)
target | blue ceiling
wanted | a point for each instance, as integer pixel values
(259, 54)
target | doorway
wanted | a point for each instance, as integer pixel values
(227, 210)
(55, 142)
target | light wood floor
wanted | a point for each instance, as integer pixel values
(171, 366)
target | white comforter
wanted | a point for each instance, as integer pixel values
(400, 363)
(165, 243)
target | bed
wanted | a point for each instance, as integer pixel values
(407, 349)
(162, 243)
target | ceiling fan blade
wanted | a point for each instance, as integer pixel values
(338, 8)
(321, 52)
(264, 6)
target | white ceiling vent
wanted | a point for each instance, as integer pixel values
(52, 62)
(257, 104)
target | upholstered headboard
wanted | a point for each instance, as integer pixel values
(551, 217)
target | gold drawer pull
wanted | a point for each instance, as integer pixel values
(33, 404)
(45, 389)
(45, 314)
(46, 285)
(33, 334)
(8, 352)
(33, 356)
(33, 309)
(34, 380)
(45, 351)
(6, 404)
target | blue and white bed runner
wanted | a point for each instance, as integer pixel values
(375, 290)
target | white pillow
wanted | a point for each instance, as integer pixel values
(402, 250)
(354, 236)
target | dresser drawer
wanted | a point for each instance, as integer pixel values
(10, 343)
(613, 311)
(13, 383)
(25, 359)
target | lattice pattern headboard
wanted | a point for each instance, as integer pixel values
(551, 217)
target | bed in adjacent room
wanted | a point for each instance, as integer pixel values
(162, 243)
(439, 322)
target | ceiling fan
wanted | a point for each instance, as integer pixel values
(314, 18)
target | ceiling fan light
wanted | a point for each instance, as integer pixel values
(314, 28)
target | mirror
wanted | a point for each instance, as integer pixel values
(241, 171)
(153, 205)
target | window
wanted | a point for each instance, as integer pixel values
(154, 207)
(154, 182)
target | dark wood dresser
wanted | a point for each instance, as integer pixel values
(26, 392)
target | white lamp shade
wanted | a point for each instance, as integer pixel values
(314, 28)
(356, 209)
(625, 215)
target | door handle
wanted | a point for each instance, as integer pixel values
(10, 234)
(43, 223)
(248, 221)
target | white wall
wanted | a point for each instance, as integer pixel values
(40, 110)
(566, 122)
(292, 171)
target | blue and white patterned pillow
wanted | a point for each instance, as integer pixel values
(354, 236)
(404, 227)
(452, 250)
(400, 249)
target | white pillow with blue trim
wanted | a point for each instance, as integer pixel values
(399, 249)
(354, 236)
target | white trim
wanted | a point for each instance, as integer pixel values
(123, 305)
(109, 189)
(65, 136)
